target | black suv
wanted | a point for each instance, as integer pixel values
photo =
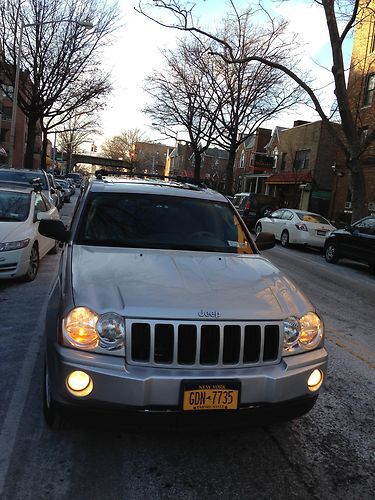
(253, 206)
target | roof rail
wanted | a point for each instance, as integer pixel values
(99, 174)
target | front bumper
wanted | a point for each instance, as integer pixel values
(117, 384)
(14, 263)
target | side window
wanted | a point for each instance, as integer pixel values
(47, 203)
(366, 226)
(287, 215)
(40, 205)
(243, 202)
(278, 214)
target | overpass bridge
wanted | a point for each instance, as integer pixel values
(99, 160)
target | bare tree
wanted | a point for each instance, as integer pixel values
(341, 19)
(185, 95)
(60, 63)
(237, 99)
(121, 147)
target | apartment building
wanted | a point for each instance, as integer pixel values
(303, 159)
(361, 90)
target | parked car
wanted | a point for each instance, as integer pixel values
(296, 227)
(24, 175)
(21, 245)
(77, 178)
(71, 185)
(253, 206)
(64, 189)
(148, 312)
(356, 242)
(57, 197)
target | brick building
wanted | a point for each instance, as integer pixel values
(303, 160)
(150, 157)
(361, 89)
(252, 164)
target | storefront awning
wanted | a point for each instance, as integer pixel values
(289, 178)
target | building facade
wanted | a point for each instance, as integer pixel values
(303, 177)
(149, 157)
(361, 90)
(252, 164)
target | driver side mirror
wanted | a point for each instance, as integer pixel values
(265, 241)
(54, 229)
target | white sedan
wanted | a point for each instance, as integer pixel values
(21, 245)
(296, 227)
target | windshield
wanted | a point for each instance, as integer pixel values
(21, 176)
(306, 217)
(165, 222)
(14, 207)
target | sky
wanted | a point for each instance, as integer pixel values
(135, 54)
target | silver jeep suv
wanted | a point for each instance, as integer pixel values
(148, 311)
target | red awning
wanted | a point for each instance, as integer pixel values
(289, 178)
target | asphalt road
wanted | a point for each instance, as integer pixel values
(328, 454)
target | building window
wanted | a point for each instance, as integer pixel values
(283, 161)
(369, 90)
(242, 160)
(372, 47)
(301, 160)
(3, 135)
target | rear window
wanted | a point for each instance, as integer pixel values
(312, 218)
(162, 222)
(21, 176)
(14, 207)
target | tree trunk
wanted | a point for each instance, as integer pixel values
(44, 150)
(30, 147)
(228, 190)
(197, 165)
(358, 188)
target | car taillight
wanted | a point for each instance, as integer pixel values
(248, 205)
(301, 226)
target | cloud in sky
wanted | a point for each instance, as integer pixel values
(136, 52)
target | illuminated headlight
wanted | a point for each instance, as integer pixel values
(111, 330)
(14, 245)
(302, 333)
(311, 330)
(80, 328)
(85, 329)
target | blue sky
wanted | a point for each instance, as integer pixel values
(136, 53)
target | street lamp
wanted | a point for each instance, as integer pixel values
(83, 24)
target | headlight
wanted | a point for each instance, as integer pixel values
(302, 333)
(292, 330)
(80, 328)
(111, 330)
(14, 245)
(311, 330)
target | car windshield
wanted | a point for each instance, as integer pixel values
(163, 222)
(21, 176)
(306, 217)
(14, 207)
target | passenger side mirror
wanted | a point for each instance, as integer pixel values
(54, 229)
(265, 241)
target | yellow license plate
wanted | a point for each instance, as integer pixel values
(216, 397)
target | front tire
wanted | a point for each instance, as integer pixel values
(52, 414)
(284, 240)
(33, 268)
(331, 253)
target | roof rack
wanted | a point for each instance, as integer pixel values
(99, 174)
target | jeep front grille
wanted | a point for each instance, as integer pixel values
(202, 344)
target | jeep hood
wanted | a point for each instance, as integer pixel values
(182, 285)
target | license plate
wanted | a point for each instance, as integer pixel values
(321, 233)
(217, 395)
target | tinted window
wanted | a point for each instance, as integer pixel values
(153, 221)
(306, 217)
(14, 206)
(366, 226)
(237, 200)
(21, 176)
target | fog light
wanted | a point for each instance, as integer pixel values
(79, 383)
(315, 380)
